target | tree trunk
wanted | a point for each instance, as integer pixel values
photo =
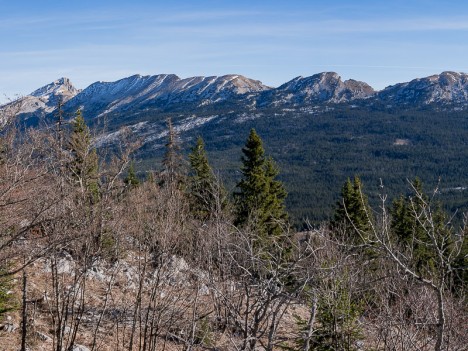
(440, 319)
(310, 324)
(25, 318)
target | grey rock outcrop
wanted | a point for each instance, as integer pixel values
(77, 347)
(326, 87)
(43, 100)
(444, 88)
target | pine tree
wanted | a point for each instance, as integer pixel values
(131, 180)
(260, 199)
(84, 164)
(338, 319)
(277, 215)
(172, 173)
(204, 190)
(352, 212)
(341, 217)
(402, 220)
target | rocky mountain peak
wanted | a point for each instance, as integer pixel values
(43, 100)
(315, 82)
(323, 87)
(444, 88)
(60, 87)
(242, 85)
(329, 77)
(354, 89)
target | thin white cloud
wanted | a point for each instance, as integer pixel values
(234, 22)
(304, 30)
(399, 25)
(206, 15)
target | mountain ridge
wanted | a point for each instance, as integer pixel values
(447, 87)
(165, 92)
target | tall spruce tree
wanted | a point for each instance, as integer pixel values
(260, 199)
(352, 212)
(203, 189)
(277, 215)
(403, 222)
(84, 165)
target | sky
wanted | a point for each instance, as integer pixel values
(379, 42)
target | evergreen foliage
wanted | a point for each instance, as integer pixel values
(203, 188)
(260, 199)
(7, 302)
(461, 265)
(336, 324)
(150, 177)
(315, 154)
(84, 166)
(337, 317)
(418, 228)
(352, 213)
(172, 174)
(131, 180)
(277, 214)
(403, 220)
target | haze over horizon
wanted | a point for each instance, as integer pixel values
(378, 42)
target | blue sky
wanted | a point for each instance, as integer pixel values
(379, 42)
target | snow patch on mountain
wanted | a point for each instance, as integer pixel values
(193, 122)
(151, 132)
(244, 117)
(110, 138)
